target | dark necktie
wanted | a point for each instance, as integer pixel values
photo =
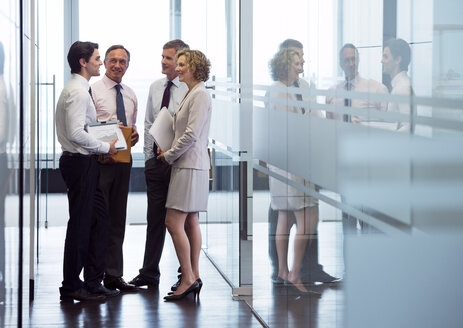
(299, 96)
(166, 95)
(347, 101)
(120, 109)
(91, 96)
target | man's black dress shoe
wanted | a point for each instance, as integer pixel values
(278, 281)
(140, 281)
(102, 290)
(82, 294)
(175, 286)
(118, 283)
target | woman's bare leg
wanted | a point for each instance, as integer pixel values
(306, 221)
(175, 223)
(193, 233)
(281, 241)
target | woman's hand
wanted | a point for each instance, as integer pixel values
(161, 156)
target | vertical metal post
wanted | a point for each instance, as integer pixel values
(71, 31)
(21, 165)
(230, 18)
(54, 120)
(245, 144)
(389, 29)
(175, 19)
(32, 159)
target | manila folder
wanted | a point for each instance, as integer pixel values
(123, 156)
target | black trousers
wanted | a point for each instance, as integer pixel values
(157, 175)
(310, 259)
(114, 183)
(85, 244)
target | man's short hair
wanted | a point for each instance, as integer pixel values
(348, 46)
(177, 44)
(117, 46)
(400, 47)
(78, 50)
(290, 43)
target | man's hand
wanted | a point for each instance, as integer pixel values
(134, 137)
(112, 147)
(161, 156)
(106, 159)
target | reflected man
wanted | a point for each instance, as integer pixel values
(349, 62)
(396, 58)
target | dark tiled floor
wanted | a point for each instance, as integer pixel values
(144, 308)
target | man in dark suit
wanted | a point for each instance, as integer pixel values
(166, 92)
(85, 243)
(115, 101)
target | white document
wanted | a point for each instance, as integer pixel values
(106, 132)
(162, 130)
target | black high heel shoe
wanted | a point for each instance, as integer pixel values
(194, 289)
(200, 285)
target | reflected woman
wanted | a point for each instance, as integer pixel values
(285, 67)
(189, 183)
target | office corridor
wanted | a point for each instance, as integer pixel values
(144, 308)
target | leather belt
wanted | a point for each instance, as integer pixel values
(68, 153)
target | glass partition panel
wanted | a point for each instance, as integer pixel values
(220, 225)
(211, 27)
(358, 112)
(14, 140)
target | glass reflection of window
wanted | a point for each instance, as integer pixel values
(144, 31)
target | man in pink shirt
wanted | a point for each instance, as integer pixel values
(115, 101)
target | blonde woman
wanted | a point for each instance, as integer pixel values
(285, 67)
(189, 182)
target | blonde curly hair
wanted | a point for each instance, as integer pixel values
(197, 62)
(280, 63)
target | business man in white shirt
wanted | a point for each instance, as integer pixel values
(86, 229)
(166, 92)
(349, 61)
(396, 58)
(116, 101)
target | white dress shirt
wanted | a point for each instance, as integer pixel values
(104, 97)
(401, 85)
(359, 84)
(153, 106)
(74, 111)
